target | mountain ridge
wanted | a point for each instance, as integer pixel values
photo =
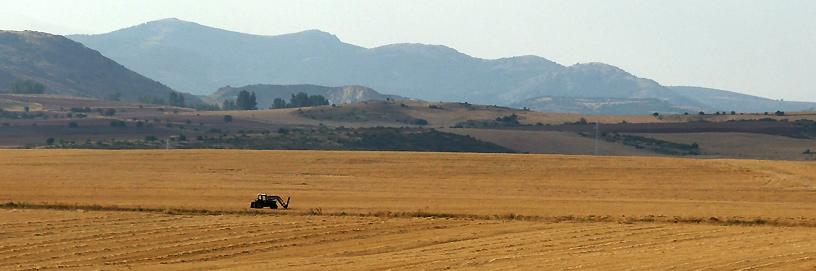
(196, 58)
(66, 67)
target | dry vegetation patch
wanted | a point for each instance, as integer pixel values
(188, 210)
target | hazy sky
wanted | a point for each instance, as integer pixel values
(765, 48)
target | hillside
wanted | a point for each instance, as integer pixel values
(605, 106)
(266, 94)
(66, 67)
(196, 58)
(724, 100)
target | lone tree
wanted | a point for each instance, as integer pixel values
(175, 99)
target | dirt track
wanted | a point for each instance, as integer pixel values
(380, 192)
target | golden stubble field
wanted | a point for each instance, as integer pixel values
(478, 211)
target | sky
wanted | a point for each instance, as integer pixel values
(759, 47)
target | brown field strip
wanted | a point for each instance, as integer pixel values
(92, 240)
(188, 210)
(447, 183)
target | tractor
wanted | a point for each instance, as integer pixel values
(269, 201)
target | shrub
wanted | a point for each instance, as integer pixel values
(118, 123)
(420, 122)
(108, 112)
(81, 109)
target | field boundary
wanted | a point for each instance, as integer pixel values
(723, 221)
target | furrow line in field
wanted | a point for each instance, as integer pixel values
(131, 238)
(261, 246)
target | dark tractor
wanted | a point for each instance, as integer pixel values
(269, 201)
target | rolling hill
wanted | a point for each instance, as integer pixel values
(67, 67)
(267, 93)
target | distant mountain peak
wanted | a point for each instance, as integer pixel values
(598, 66)
(313, 35)
(170, 21)
(419, 47)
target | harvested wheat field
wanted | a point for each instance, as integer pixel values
(188, 210)
(47, 239)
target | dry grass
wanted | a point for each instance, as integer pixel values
(188, 210)
(726, 221)
(551, 142)
(82, 240)
(744, 145)
(445, 115)
(361, 182)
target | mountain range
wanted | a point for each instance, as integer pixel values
(66, 67)
(190, 57)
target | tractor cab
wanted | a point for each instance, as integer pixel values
(265, 200)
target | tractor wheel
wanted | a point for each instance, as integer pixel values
(252, 205)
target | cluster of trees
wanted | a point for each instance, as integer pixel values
(245, 101)
(173, 99)
(509, 120)
(21, 115)
(300, 100)
(24, 86)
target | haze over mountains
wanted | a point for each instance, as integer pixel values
(67, 67)
(199, 59)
